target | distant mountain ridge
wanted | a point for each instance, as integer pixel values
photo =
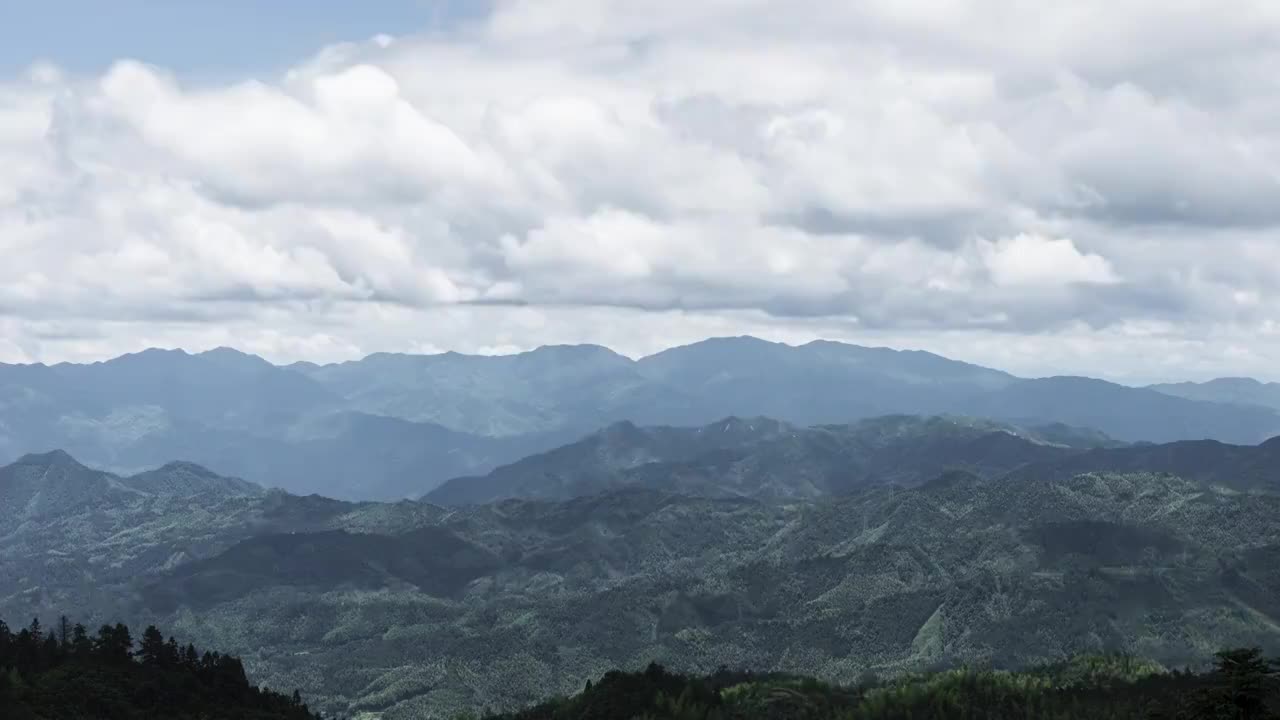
(1237, 390)
(1242, 467)
(389, 426)
(764, 458)
(781, 461)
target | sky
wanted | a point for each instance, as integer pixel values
(1072, 188)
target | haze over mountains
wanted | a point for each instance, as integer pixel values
(567, 539)
(392, 426)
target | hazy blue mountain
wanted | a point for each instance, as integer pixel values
(720, 359)
(238, 414)
(551, 388)
(816, 383)
(1124, 413)
(341, 454)
(357, 456)
(144, 409)
(581, 388)
(391, 426)
(219, 388)
(764, 458)
(1243, 467)
(407, 607)
(1240, 391)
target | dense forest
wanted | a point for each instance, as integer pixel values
(1243, 685)
(66, 673)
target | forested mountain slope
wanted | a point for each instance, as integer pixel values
(759, 457)
(407, 608)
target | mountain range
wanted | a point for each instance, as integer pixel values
(392, 426)
(1240, 391)
(764, 458)
(409, 609)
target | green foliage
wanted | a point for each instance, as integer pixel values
(1241, 687)
(60, 676)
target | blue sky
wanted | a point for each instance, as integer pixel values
(205, 36)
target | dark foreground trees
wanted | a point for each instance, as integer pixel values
(1242, 686)
(67, 673)
(64, 672)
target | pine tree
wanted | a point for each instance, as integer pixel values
(50, 651)
(64, 630)
(172, 653)
(6, 645)
(81, 646)
(152, 649)
(1241, 690)
(114, 644)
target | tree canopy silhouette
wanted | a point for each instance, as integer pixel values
(67, 674)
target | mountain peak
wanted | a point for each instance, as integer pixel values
(735, 423)
(222, 352)
(571, 353)
(1236, 381)
(740, 341)
(148, 359)
(183, 479)
(156, 352)
(49, 483)
(725, 342)
(580, 349)
(187, 467)
(52, 458)
(621, 426)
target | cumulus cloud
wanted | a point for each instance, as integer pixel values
(985, 177)
(1040, 261)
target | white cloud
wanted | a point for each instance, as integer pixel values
(1039, 261)
(918, 171)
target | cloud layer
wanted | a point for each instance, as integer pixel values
(1089, 188)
